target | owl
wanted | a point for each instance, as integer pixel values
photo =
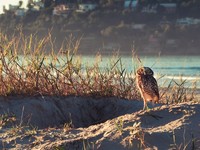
(147, 85)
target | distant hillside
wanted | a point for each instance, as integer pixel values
(108, 29)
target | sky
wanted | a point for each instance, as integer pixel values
(13, 2)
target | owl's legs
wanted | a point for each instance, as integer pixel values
(145, 107)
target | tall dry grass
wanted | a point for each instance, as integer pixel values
(30, 66)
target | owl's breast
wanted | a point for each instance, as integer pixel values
(151, 97)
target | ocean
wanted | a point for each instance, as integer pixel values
(166, 68)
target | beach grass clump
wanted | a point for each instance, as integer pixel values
(31, 66)
(34, 66)
(178, 91)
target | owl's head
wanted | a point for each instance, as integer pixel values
(144, 71)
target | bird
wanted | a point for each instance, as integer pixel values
(147, 85)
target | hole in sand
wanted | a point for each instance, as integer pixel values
(44, 112)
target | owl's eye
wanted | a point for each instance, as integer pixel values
(142, 71)
(139, 71)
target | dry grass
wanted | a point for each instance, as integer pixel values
(27, 69)
(178, 92)
(30, 66)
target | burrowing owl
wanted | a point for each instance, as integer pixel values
(147, 85)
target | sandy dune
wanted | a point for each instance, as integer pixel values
(96, 123)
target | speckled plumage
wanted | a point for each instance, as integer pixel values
(147, 85)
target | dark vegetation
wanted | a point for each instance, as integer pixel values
(111, 27)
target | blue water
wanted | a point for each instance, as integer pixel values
(166, 68)
(165, 65)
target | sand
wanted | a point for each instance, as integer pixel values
(96, 123)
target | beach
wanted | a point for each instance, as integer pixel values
(97, 123)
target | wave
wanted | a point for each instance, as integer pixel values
(189, 81)
(183, 77)
(177, 68)
(179, 72)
